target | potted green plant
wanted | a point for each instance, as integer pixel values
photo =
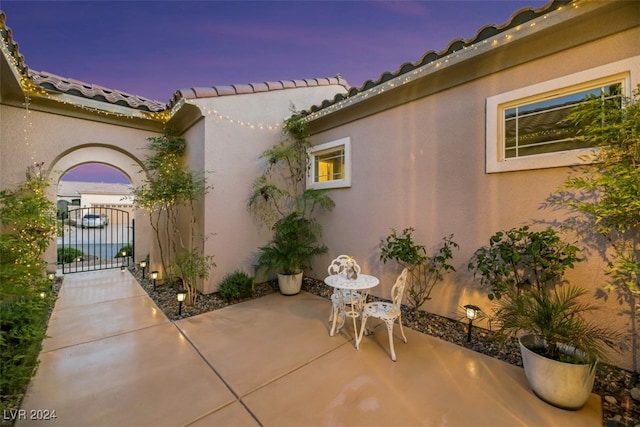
(294, 244)
(524, 271)
(280, 201)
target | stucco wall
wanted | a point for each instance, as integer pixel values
(63, 142)
(231, 153)
(422, 165)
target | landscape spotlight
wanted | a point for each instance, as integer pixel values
(472, 314)
(143, 265)
(154, 276)
(182, 294)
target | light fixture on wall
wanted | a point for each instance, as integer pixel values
(471, 313)
(182, 294)
(154, 276)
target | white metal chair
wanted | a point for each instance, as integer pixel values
(388, 312)
(341, 296)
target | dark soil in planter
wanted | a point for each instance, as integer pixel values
(613, 384)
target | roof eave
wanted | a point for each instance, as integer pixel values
(403, 84)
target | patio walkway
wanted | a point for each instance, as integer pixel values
(114, 359)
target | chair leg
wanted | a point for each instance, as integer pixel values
(363, 325)
(334, 319)
(390, 331)
(402, 330)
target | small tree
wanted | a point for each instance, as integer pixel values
(607, 193)
(280, 201)
(169, 192)
(425, 271)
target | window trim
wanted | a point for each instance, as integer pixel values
(495, 160)
(328, 146)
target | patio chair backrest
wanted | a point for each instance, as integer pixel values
(397, 291)
(339, 265)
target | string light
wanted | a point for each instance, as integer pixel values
(248, 125)
(454, 57)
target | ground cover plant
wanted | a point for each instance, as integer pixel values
(28, 223)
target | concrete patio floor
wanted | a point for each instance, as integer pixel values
(113, 359)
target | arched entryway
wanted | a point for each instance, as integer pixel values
(102, 227)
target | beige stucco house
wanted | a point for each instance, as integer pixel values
(423, 146)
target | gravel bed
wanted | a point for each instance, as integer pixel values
(619, 389)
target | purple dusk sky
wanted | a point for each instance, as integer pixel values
(153, 48)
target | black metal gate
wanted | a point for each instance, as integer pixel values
(96, 238)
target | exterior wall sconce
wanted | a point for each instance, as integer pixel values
(471, 313)
(154, 276)
(143, 266)
(182, 294)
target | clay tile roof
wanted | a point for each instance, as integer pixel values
(238, 89)
(204, 92)
(5, 33)
(259, 87)
(274, 85)
(241, 89)
(519, 17)
(74, 87)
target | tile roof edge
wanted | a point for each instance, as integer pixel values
(53, 82)
(517, 18)
(239, 89)
(69, 86)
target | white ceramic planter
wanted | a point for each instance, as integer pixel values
(565, 385)
(290, 284)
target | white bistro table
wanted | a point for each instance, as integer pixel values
(362, 284)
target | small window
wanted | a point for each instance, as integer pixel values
(527, 128)
(330, 165)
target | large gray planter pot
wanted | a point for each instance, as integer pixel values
(565, 385)
(290, 284)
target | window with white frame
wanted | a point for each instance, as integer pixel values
(330, 165)
(527, 128)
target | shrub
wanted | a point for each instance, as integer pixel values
(236, 285)
(425, 270)
(66, 255)
(28, 224)
(23, 323)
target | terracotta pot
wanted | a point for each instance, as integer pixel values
(565, 385)
(290, 284)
